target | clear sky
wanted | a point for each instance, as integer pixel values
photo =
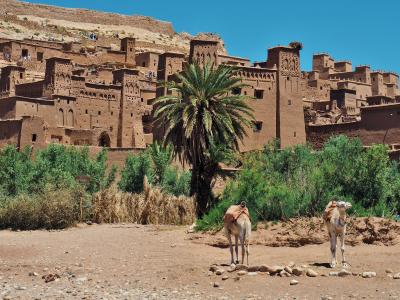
(363, 31)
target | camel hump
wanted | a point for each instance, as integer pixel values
(234, 212)
(329, 210)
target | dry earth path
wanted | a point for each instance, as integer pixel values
(164, 262)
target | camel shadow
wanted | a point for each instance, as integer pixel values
(318, 264)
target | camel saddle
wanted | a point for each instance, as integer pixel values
(328, 210)
(234, 212)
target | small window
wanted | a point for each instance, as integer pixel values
(257, 126)
(294, 134)
(259, 94)
(236, 91)
(39, 56)
(320, 88)
(112, 113)
(99, 113)
(131, 49)
(86, 111)
(287, 78)
(131, 114)
(289, 102)
(34, 137)
(142, 99)
(21, 75)
(24, 53)
(144, 64)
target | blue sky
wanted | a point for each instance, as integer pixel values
(363, 31)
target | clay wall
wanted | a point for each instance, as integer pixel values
(10, 132)
(33, 133)
(262, 90)
(290, 116)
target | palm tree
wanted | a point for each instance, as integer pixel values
(201, 112)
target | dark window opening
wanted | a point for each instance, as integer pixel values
(236, 91)
(24, 53)
(131, 114)
(294, 134)
(39, 56)
(259, 94)
(99, 113)
(86, 111)
(34, 137)
(131, 49)
(112, 113)
(288, 78)
(257, 126)
(144, 64)
(21, 75)
(289, 102)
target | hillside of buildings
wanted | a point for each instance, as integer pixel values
(21, 20)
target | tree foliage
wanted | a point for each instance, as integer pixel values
(200, 111)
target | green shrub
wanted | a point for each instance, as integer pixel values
(136, 167)
(53, 208)
(280, 184)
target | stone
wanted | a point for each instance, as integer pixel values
(297, 271)
(253, 268)
(213, 268)
(219, 272)
(225, 277)
(240, 267)
(283, 273)
(252, 273)
(294, 282)
(291, 264)
(333, 273)
(264, 268)
(344, 273)
(81, 280)
(216, 284)
(396, 276)
(368, 274)
(311, 273)
(89, 222)
(242, 273)
(33, 274)
(288, 269)
(389, 271)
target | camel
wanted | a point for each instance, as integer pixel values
(335, 222)
(237, 223)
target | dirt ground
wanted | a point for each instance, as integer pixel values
(163, 262)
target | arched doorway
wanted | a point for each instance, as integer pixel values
(104, 140)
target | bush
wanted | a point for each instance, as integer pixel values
(54, 208)
(136, 167)
(156, 164)
(280, 184)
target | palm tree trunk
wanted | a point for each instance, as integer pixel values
(202, 177)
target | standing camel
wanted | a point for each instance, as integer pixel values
(335, 222)
(237, 223)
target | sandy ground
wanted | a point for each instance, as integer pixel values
(162, 262)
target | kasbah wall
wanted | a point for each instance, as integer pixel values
(53, 92)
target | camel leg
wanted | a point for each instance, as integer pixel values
(243, 247)
(344, 263)
(236, 249)
(230, 247)
(333, 239)
(247, 250)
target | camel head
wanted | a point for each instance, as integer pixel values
(343, 206)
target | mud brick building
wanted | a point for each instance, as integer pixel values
(53, 92)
